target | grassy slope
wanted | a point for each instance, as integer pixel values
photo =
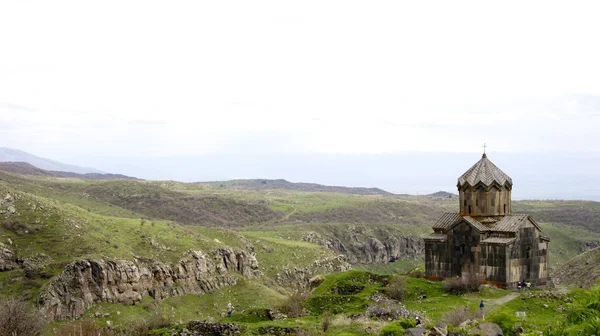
(583, 270)
(101, 218)
(243, 296)
(568, 223)
(57, 233)
(69, 222)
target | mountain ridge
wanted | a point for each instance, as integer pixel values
(16, 155)
(282, 184)
(24, 168)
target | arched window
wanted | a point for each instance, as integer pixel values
(528, 252)
(505, 207)
(463, 247)
(469, 209)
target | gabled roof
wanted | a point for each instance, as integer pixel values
(507, 223)
(512, 223)
(480, 227)
(446, 221)
(486, 173)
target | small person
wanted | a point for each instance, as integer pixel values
(519, 285)
(528, 284)
(481, 305)
(418, 321)
(229, 309)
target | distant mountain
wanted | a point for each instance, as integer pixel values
(15, 155)
(442, 194)
(25, 168)
(264, 184)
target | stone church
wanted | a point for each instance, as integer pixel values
(507, 247)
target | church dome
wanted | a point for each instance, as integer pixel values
(486, 173)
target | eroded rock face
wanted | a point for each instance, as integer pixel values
(85, 282)
(393, 248)
(7, 258)
(365, 250)
(299, 277)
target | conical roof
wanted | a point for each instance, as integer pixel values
(484, 171)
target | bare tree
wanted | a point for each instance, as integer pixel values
(19, 318)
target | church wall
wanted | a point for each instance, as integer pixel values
(462, 242)
(493, 263)
(436, 259)
(528, 257)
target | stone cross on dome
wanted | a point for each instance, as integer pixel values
(484, 147)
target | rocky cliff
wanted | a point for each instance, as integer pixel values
(369, 247)
(85, 282)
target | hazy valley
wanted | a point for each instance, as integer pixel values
(183, 250)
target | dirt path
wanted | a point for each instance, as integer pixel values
(286, 217)
(504, 299)
(562, 289)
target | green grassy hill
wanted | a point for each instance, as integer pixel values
(572, 225)
(51, 221)
(582, 270)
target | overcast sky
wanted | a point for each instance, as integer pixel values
(200, 77)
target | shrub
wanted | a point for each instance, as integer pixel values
(17, 317)
(396, 288)
(460, 315)
(416, 273)
(407, 323)
(506, 322)
(468, 283)
(293, 305)
(392, 329)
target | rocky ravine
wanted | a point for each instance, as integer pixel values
(361, 249)
(85, 282)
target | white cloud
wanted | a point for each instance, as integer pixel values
(192, 77)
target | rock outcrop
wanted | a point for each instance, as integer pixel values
(200, 328)
(7, 258)
(391, 249)
(363, 249)
(486, 329)
(302, 277)
(85, 282)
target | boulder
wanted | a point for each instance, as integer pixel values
(439, 331)
(316, 281)
(7, 258)
(487, 329)
(415, 331)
